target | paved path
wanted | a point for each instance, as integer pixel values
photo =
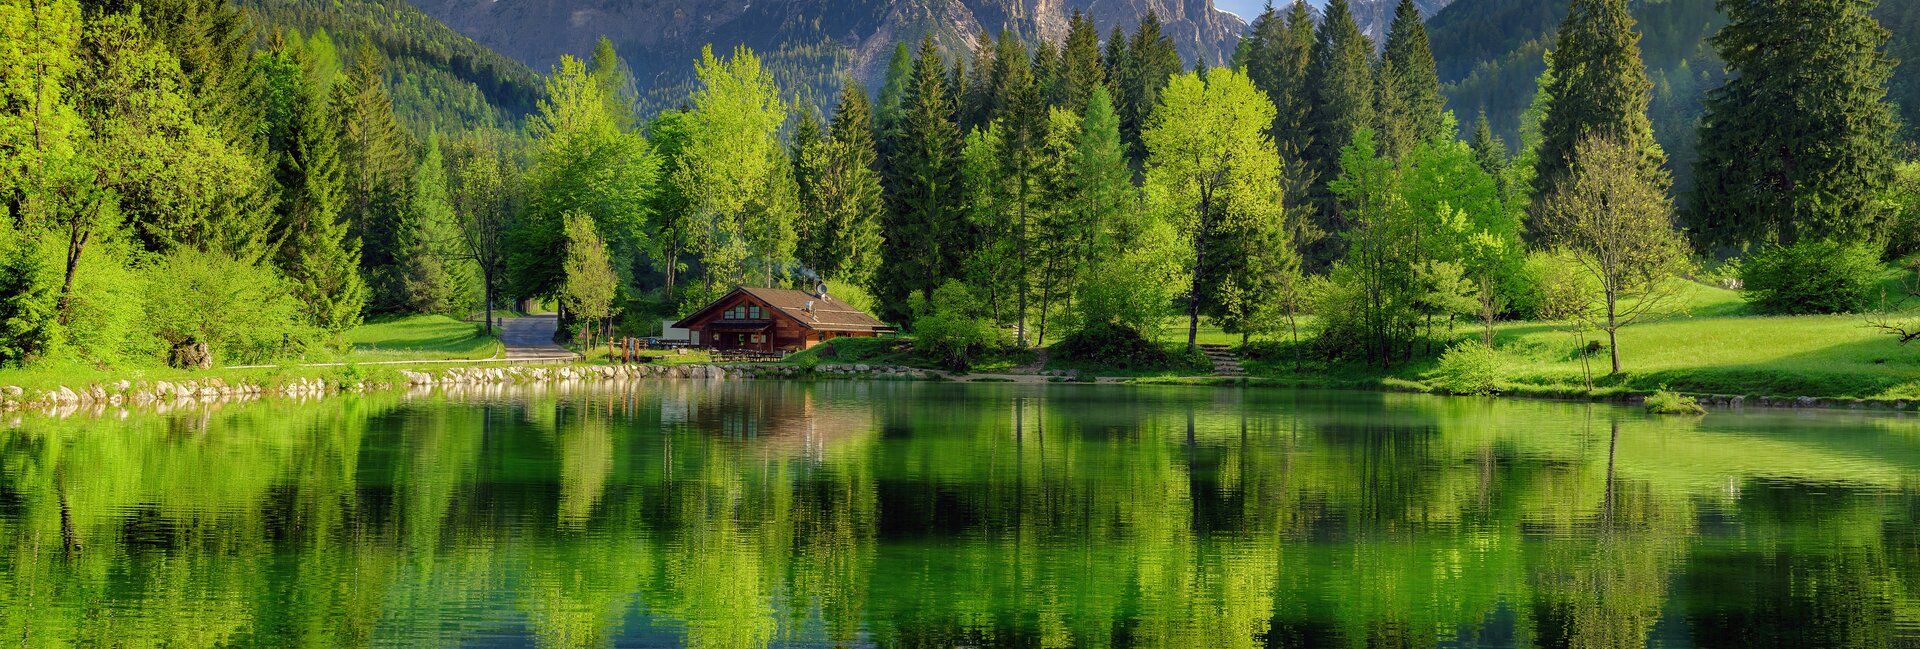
(532, 337)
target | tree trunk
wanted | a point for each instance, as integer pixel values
(76, 244)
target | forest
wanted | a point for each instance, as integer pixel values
(183, 186)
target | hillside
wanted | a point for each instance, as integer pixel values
(1489, 53)
(811, 43)
(438, 77)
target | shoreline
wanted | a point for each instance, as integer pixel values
(307, 384)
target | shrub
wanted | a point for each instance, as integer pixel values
(242, 311)
(1469, 368)
(1668, 402)
(1811, 277)
(950, 330)
(1113, 345)
(28, 294)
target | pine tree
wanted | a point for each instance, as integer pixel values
(1491, 152)
(315, 253)
(887, 108)
(616, 82)
(1769, 174)
(376, 154)
(1151, 60)
(923, 226)
(1411, 108)
(852, 193)
(1021, 112)
(1599, 89)
(1081, 71)
(1340, 80)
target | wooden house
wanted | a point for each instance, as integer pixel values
(777, 320)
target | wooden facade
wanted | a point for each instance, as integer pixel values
(777, 320)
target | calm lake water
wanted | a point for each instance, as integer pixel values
(938, 515)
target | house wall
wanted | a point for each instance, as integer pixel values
(787, 333)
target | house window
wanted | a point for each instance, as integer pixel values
(753, 312)
(758, 338)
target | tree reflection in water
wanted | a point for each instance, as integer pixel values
(918, 514)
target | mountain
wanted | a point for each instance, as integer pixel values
(810, 43)
(439, 79)
(1375, 16)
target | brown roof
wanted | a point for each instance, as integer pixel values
(828, 314)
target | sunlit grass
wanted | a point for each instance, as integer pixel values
(422, 337)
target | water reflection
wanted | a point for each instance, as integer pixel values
(907, 514)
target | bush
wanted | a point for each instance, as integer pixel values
(28, 294)
(243, 312)
(1469, 368)
(1811, 277)
(1115, 346)
(1668, 402)
(950, 330)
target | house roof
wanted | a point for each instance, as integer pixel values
(828, 314)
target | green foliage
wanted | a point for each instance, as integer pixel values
(1469, 368)
(952, 329)
(1614, 217)
(736, 175)
(1668, 402)
(29, 325)
(840, 198)
(588, 293)
(439, 79)
(582, 162)
(1340, 78)
(242, 311)
(1772, 174)
(1812, 277)
(924, 228)
(1369, 302)
(1409, 102)
(1114, 346)
(1599, 91)
(1213, 171)
(1902, 200)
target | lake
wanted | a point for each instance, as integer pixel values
(899, 514)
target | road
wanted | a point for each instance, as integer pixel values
(531, 337)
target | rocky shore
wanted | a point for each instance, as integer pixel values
(137, 394)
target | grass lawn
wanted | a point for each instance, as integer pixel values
(422, 337)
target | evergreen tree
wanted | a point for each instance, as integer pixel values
(1599, 89)
(847, 194)
(1151, 60)
(1022, 116)
(1411, 108)
(1340, 83)
(376, 155)
(1491, 152)
(315, 252)
(887, 108)
(616, 83)
(1080, 70)
(923, 226)
(1798, 145)
(28, 314)
(975, 100)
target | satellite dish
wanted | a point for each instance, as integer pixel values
(820, 289)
